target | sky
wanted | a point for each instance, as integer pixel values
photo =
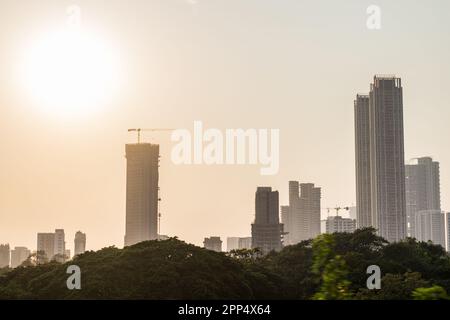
(285, 64)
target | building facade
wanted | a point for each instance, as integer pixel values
(301, 219)
(4, 255)
(430, 226)
(213, 243)
(79, 243)
(18, 256)
(142, 193)
(339, 224)
(422, 182)
(267, 229)
(45, 247)
(362, 153)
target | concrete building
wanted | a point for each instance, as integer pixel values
(79, 243)
(18, 256)
(362, 154)
(45, 247)
(301, 219)
(448, 230)
(422, 189)
(267, 229)
(379, 144)
(238, 243)
(430, 226)
(60, 246)
(213, 243)
(232, 243)
(67, 255)
(142, 193)
(4, 255)
(352, 213)
(339, 224)
(245, 243)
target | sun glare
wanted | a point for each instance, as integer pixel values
(70, 73)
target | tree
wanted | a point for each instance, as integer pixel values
(432, 293)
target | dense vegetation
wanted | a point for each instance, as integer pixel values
(328, 267)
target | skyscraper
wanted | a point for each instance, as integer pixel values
(266, 230)
(422, 189)
(380, 151)
(80, 243)
(387, 159)
(45, 247)
(430, 226)
(301, 219)
(213, 243)
(4, 255)
(447, 215)
(142, 193)
(18, 256)
(60, 246)
(362, 152)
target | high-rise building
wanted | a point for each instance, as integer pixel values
(60, 246)
(232, 243)
(266, 230)
(339, 224)
(80, 243)
(213, 243)
(67, 255)
(245, 243)
(352, 213)
(387, 159)
(4, 255)
(45, 247)
(301, 219)
(238, 243)
(18, 256)
(422, 189)
(142, 193)
(362, 153)
(380, 151)
(430, 226)
(448, 230)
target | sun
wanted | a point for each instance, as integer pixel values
(70, 73)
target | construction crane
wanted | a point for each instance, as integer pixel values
(337, 210)
(139, 130)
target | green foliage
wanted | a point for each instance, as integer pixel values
(432, 293)
(331, 269)
(328, 267)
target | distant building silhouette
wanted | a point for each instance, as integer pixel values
(266, 230)
(238, 243)
(18, 256)
(352, 213)
(142, 193)
(4, 255)
(45, 247)
(213, 243)
(301, 219)
(67, 255)
(80, 243)
(430, 226)
(51, 246)
(339, 224)
(422, 189)
(60, 246)
(380, 149)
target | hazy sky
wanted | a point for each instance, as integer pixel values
(293, 65)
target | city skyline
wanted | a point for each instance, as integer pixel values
(71, 173)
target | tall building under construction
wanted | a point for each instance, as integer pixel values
(142, 192)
